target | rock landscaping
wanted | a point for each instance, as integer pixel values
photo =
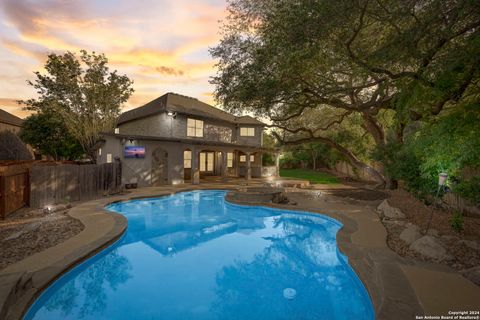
(28, 231)
(388, 212)
(430, 247)
(410, 234)
(405, 219)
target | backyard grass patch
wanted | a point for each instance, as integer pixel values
(310, 175)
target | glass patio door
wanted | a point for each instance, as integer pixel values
(206, 161)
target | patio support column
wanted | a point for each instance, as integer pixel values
(277, 164)
(195, 167)
(224, 167)
(236, 163)
(248, 173)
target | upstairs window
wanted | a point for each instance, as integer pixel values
(187, 159)
(194, 128)
(247, 132)
(252, 158)
(229, 159)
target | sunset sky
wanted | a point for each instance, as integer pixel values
(161, 45)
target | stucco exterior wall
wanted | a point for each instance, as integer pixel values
(163, 125)
(140, 170)
(159, 125)
(251, 141)
(256, 165)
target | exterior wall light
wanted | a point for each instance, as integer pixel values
(171, 114)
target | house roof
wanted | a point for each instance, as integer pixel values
(184, 105)
(190, 141)
(9, 118)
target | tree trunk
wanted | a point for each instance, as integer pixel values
(314, 160)
(92, 155)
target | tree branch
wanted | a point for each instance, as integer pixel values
(349, 155)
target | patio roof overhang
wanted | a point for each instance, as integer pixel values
(193, 141)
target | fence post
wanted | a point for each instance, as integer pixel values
(2, 197)
(26, 191)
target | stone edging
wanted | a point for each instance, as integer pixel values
(21, 283)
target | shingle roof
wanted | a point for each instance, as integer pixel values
(184, 105)
(9, 118)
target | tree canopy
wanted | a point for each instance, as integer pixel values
(354, 75)
(47, 133)
(84, 92)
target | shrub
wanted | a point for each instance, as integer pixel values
(457, 221)
(446, 144)
(469, 189)
(12, 148)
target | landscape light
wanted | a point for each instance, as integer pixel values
(442, 178)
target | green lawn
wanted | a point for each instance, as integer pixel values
(310, 175)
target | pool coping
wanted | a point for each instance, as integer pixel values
(380, 269)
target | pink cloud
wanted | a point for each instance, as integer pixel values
(161, 45)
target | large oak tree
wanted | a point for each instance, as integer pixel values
(318, 68)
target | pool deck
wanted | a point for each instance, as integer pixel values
(400, 288)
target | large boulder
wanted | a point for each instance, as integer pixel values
(388, 212)
(410, 234)
(430, 247)
(433, 233)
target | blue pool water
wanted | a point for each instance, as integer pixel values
(194, 256)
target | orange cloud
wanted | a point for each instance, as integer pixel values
(12, 106)
(161, 45)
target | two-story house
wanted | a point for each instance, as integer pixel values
(177, 139)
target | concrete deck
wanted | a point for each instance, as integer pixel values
(399, 288)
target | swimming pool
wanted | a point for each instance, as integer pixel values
(194, 256)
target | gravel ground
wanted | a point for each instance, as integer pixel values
(29, 231)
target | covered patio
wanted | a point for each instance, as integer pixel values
(177, 160)
(203, 162)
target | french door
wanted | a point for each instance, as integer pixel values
(206, 161)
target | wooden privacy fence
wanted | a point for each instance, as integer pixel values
(73, 182)
(14, 188)
(37, 184)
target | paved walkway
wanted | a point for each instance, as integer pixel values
(399, 288)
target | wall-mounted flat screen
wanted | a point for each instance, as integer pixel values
(134, 152)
